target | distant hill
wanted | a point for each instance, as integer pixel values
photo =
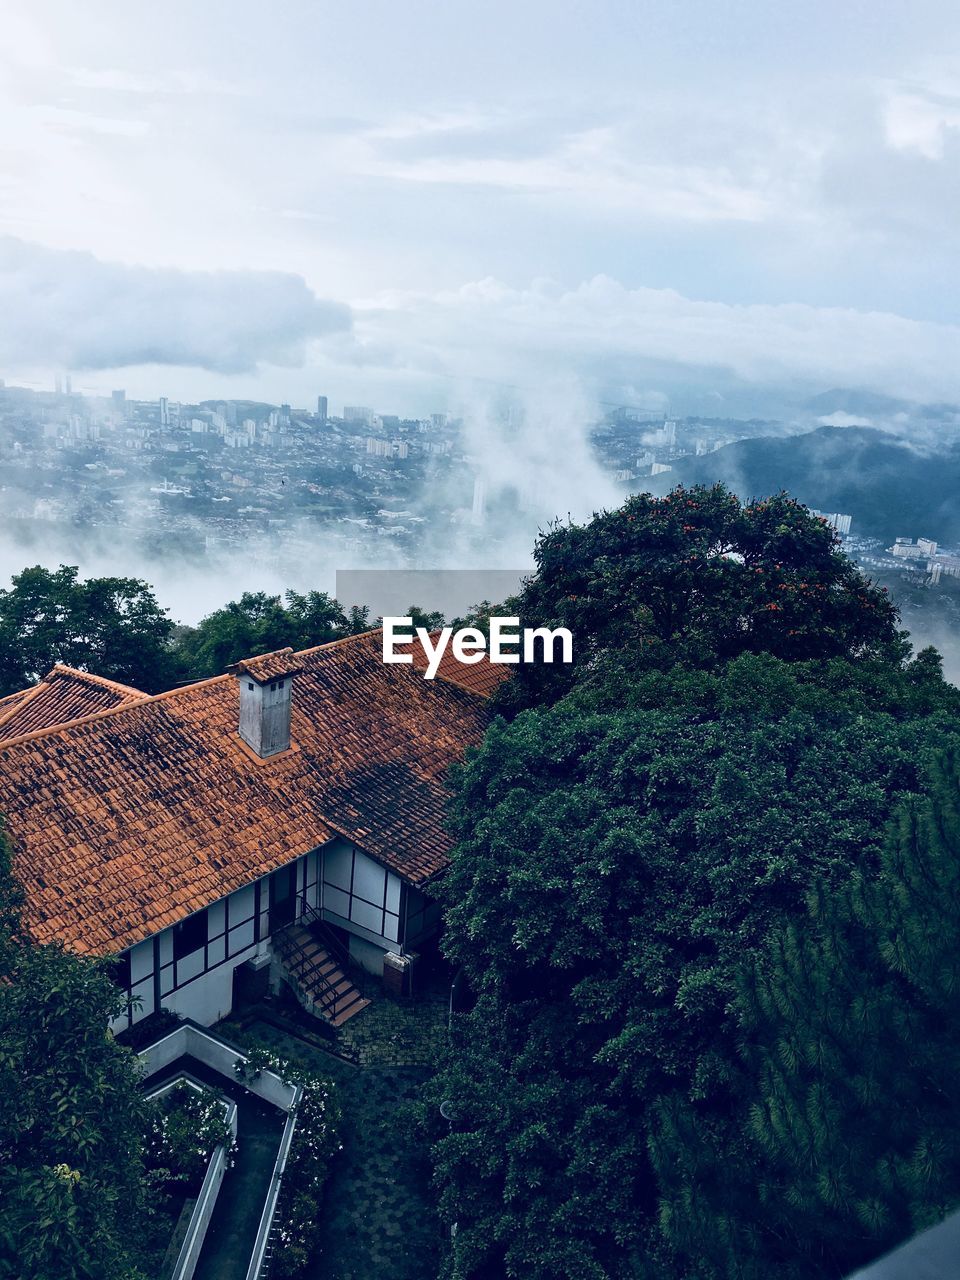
(867, 404)
(889, 488)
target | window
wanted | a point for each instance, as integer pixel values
(120, 970)
(189, 935)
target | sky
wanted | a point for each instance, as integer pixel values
(415, 205)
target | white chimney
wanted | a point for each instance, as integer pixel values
(266, 689)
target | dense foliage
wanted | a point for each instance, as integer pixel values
(846, 1134)
(114, 627)
(260, 623)
(71, 1118)
(111, 626)
(185, 1126)
(626, 848)
(696, 578)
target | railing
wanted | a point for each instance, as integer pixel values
(297, 959)
(259, 1268)
(312, 917)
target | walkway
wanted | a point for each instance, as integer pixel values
(379, 1219)
(232, 1232)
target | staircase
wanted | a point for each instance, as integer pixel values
(318, 976)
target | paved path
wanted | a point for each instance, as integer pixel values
(232, 1232)
(379, 1221)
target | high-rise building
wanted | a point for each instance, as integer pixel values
(479, 501)
(322, 408)
(164, 411)
(357, 413)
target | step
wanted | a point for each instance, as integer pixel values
(323, 993)
(347, 1011)
(309, 968)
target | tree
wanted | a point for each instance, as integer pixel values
(697, 578)
(846, 1136)
(113, 627)
(260, 623)
(619, 853)
(71, 1117)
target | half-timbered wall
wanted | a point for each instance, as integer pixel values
(189, 968)
(362, 897)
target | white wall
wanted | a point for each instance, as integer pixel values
(361, 895)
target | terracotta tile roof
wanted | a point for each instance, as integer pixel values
(481, 677)
(128, 820)
(65, 694)
(11, 700)
(268, 666)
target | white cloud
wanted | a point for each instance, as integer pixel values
(602, 330)
(842, 419)
(74, 311)
(921, 121)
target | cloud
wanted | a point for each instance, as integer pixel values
(72, 310)
(842, 419)
(604, 164)
(607, 333)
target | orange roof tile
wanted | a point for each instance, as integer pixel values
(132, 817)
(65, 694)
(268, 666)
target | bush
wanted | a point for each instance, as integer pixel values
(316, 1140)
(185, 1128)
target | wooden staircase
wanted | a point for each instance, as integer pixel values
(317, 975)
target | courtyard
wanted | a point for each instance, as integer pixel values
(378, 1218)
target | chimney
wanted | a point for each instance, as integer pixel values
(266, 689)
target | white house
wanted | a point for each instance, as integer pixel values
(186, 833)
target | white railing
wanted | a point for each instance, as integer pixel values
(219, 1056)
(210, 1188)
(256, 1269)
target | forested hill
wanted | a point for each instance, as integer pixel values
(890, 488)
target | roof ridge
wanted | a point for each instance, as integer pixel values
(147, 697)
(17, 693)
(107, 711)
(90, 677)
(28, 697)
(173, 693)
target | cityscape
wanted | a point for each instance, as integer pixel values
(300, 491)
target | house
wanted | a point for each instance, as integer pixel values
(186, 832)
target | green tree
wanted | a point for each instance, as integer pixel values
(260, 623)
(697, 578)
(619, 853)
(113, 627)
(71, 1117)
(846, 1135)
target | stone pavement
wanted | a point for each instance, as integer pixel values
(379, 1219)
(391, 1032)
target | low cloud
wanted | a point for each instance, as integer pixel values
(842, 419)
(604, 333)
(74, 311)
